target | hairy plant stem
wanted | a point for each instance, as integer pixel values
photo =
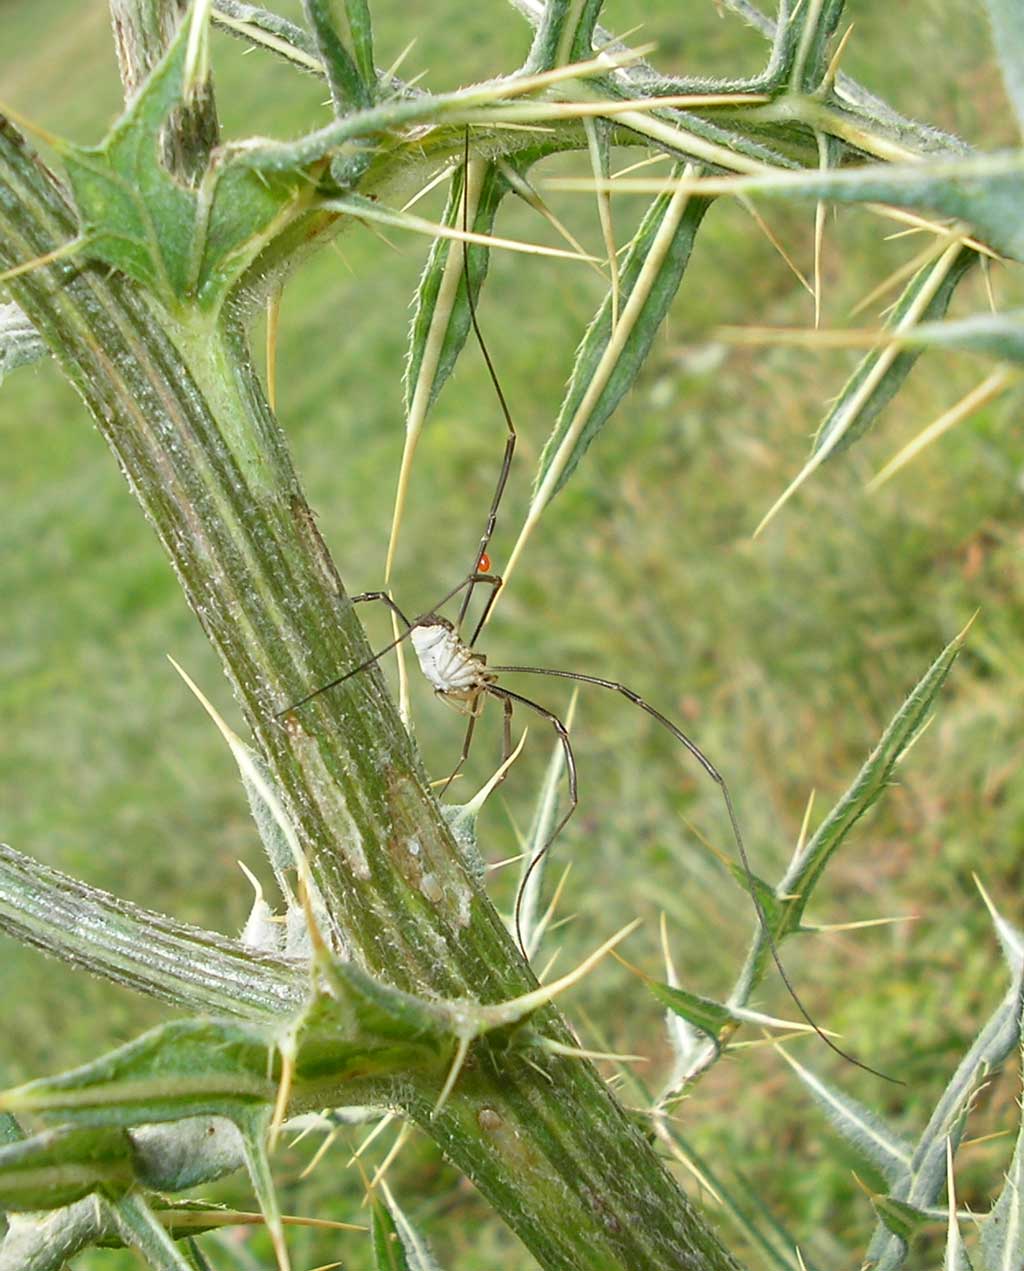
(177, 400)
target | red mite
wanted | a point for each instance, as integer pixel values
(484, 565)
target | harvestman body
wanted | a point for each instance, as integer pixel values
(463, 679)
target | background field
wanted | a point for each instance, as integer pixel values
(785, 657)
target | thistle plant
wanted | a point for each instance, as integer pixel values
(382, 984)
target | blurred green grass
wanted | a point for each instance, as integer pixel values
(783, 657)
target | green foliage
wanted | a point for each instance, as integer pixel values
(179, 243)
(246, 226)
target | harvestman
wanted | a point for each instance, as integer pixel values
(461, 676)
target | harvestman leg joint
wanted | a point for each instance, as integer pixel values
(461, 676)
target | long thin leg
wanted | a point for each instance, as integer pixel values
(385, 599)
(510, 439)
(570, 765)
(500, 582)
(492, 579)
(717, 777)
(467, 742)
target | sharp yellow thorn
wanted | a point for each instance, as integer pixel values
(670, 969)
(548, 966)
(259, 36)
(273, 316)
(604, 216)
(58, 253)
(748, 206)
(27, 125)
(529, 195)
(393, 69)
(549, 913)
(684, 1160)
(461, 1051)
(906, 217)
(435, 229)
(444, 175)
(389, 1160)
(843, 421)
(906, 270)
(820, 216)
(510, 1012)
(979, 396)
(379, 1128)
(576, 1052)
(829, 78)
(320, 1153)
(284, 1090)
(508, 860)
(832, 927)
(642, 163)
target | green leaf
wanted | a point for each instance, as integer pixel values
(441, 317)
(607, 363)
(1007, 18)
(813, 27)
(184, 1068)
(177, 242)
(57, 1167)
(865, 1130)
(903, 1220)
(806, 870)
(287, 40)
(134, 214)
(881, 374)
(397, 1245)
(711, 1017)
(349, 88)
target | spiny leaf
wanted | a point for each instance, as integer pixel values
(711, 1017)
(183, 1068)
(806, 870)
(350, 90)
(903, 1220)
(881, 374)
(608, 362)
(57, 1167)
(136, 216)
(861, 1127)
(397, 1245)
(883, 371)
(269, 30)
(441, 318)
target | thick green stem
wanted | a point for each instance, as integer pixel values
(179, 404)
(140, 948)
